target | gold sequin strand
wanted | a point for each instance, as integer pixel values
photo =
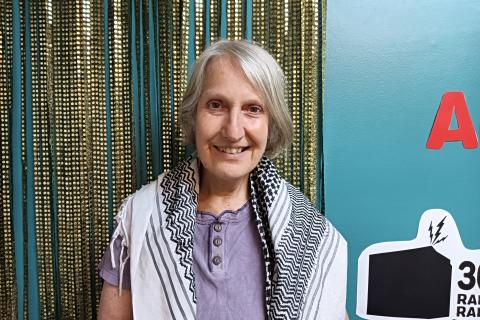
(121, 106)
(320, 201)
(260, 22)
(284, 160)
(199, 30)
(24, 151)
(176, 67)
(324, 39)
(295, 88)
(309, 80)
(146, 85)
(42, 160)
(180, 67)
(23, 144)
(234, 19)
(166, 68)
(183, 76)
(276, 47)
(214, 20)
(8, 294)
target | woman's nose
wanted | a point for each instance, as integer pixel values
(233, 128)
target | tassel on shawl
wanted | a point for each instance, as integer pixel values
(121, 231)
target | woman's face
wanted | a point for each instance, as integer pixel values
(231, 126)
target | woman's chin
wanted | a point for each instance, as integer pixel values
(230, 173)
(228, 167)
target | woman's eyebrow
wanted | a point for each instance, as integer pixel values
(254, 101)
(213, 94)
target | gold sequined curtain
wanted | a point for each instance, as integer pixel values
(89, 94)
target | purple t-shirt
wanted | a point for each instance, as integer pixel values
(228, 264)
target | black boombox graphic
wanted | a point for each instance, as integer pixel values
(431, 277)
(411, 283)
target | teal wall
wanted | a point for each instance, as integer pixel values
(388, 64)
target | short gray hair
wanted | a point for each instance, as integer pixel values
(262, 71)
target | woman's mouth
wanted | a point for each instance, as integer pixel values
(231, 150)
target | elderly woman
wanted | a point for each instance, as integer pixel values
(222, 235)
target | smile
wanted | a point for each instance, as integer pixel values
(231, 150)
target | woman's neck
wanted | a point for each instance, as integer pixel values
(217, 195)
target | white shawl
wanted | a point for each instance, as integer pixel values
(305, 256)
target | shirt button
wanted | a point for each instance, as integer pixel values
(217, 242)
(217, 260)
(217, 227)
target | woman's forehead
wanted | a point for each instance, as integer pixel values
(223, 69)
(220, 63)
(224, 76)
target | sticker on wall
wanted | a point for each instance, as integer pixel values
(431, 277)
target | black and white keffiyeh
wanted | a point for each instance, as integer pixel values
(305, 257)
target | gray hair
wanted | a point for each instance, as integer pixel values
(262, 71)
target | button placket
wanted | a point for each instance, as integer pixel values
(217, 247)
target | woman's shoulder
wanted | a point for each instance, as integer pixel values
(140, 200)
(135, 210)
(141, 194)
(303, 206)
(146, 192)
(300, 200)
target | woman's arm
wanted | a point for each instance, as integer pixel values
(115, 307)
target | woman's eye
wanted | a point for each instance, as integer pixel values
(214, 105)
(255, 109)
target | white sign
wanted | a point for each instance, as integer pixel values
(431, 277)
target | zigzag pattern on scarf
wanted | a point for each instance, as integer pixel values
(297, 257)
(180, 201)
(264, 186)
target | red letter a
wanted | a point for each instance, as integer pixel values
(452, 102)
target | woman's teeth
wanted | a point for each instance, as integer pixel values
(230, 150)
